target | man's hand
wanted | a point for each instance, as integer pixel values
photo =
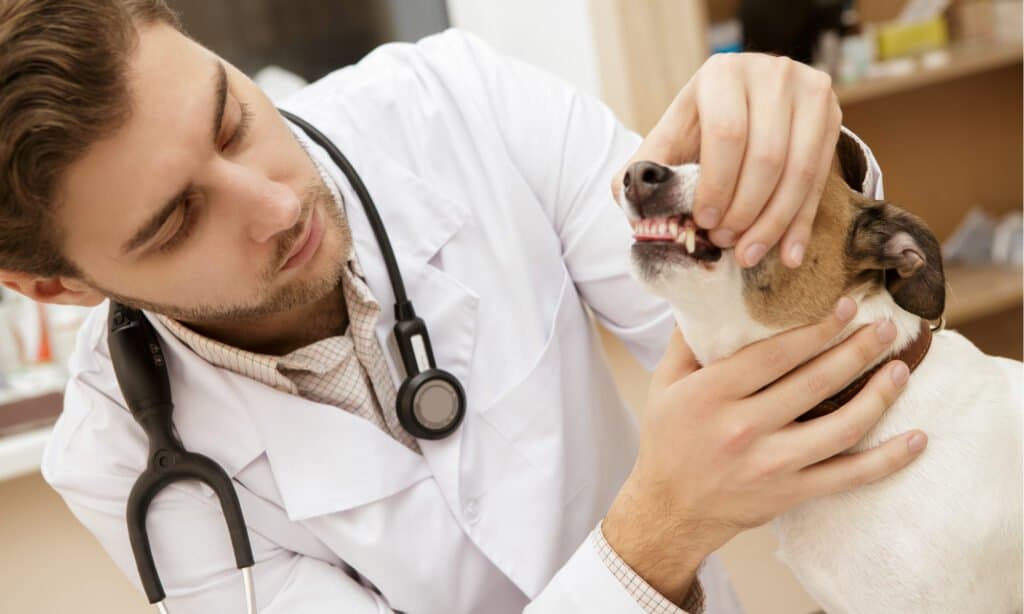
(720, 451)
(764, 129)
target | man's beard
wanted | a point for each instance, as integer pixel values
(300, 292)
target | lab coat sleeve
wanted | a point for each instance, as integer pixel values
(187, 530)
(568, 146)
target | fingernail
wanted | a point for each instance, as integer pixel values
(846, 308)
(754, 253)
(708, 218)
(723, 237)
(899, 373)
(796, 254)
(886, 331)
(916, 442)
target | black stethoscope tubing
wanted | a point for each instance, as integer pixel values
(430, 403)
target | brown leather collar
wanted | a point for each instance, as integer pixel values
(913, 354)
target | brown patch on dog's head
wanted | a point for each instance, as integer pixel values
(855, 243)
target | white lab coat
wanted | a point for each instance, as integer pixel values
(492, 180)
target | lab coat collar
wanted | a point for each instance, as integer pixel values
(325, 459)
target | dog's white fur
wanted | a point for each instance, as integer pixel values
(942, 535)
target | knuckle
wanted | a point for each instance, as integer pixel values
(737, 437)
(866, 350)
(849, 434)
(766, 468)
(777, 355)
(817, 386)
(771, 156)
(715, 62)
(728, 129)
(821, 84)
(714, 192)
(807, 171)
(858, 477)
(771, 227)
(783, 66)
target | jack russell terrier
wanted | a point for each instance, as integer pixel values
(940, 536)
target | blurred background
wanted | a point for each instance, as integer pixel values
(934, 87)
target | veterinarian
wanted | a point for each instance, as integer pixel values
(139, 167)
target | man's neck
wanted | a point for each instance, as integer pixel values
(282, 333)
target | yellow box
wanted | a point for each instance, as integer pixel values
(896, 39)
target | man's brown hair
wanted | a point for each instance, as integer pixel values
(63, 87)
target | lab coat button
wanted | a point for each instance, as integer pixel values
(472, 511)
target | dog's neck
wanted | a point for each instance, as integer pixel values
(719, 328)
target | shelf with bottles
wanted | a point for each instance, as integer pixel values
(959, 60)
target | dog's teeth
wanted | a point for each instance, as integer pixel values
(681, 237)
(691, 240)
(662, 228)
(673, 228)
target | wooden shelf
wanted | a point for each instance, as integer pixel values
(974, 292)
(965, 59)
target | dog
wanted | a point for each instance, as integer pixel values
(942, 535)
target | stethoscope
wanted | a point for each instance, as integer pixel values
(430, 403)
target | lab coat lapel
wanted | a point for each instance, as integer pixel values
(323, 458)
(419, 221)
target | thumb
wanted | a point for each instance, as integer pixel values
(677, 362)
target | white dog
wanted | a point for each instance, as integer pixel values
(944, 534)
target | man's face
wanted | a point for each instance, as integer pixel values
(196, 207)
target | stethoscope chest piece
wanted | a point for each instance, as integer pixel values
(431, 404)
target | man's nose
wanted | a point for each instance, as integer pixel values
(642, 179)
(275, 209)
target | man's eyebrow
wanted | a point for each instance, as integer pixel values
(221, 100)
(158, 219)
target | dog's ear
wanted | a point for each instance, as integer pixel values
(886, 238)
(853, 162)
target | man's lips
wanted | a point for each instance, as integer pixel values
(302, 244)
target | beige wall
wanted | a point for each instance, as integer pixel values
(50, 563)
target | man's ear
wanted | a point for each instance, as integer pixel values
(887, 238)
(57, 290)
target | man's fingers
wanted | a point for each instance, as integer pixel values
(770, 116)
(759, 364)
(677, 362)
(807, 443)
(849, 471)
(722, 106)
(802, 169)
(824, 376)
(794, 242)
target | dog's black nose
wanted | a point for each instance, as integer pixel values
(642, 179)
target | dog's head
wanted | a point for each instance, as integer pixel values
(876, 252)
